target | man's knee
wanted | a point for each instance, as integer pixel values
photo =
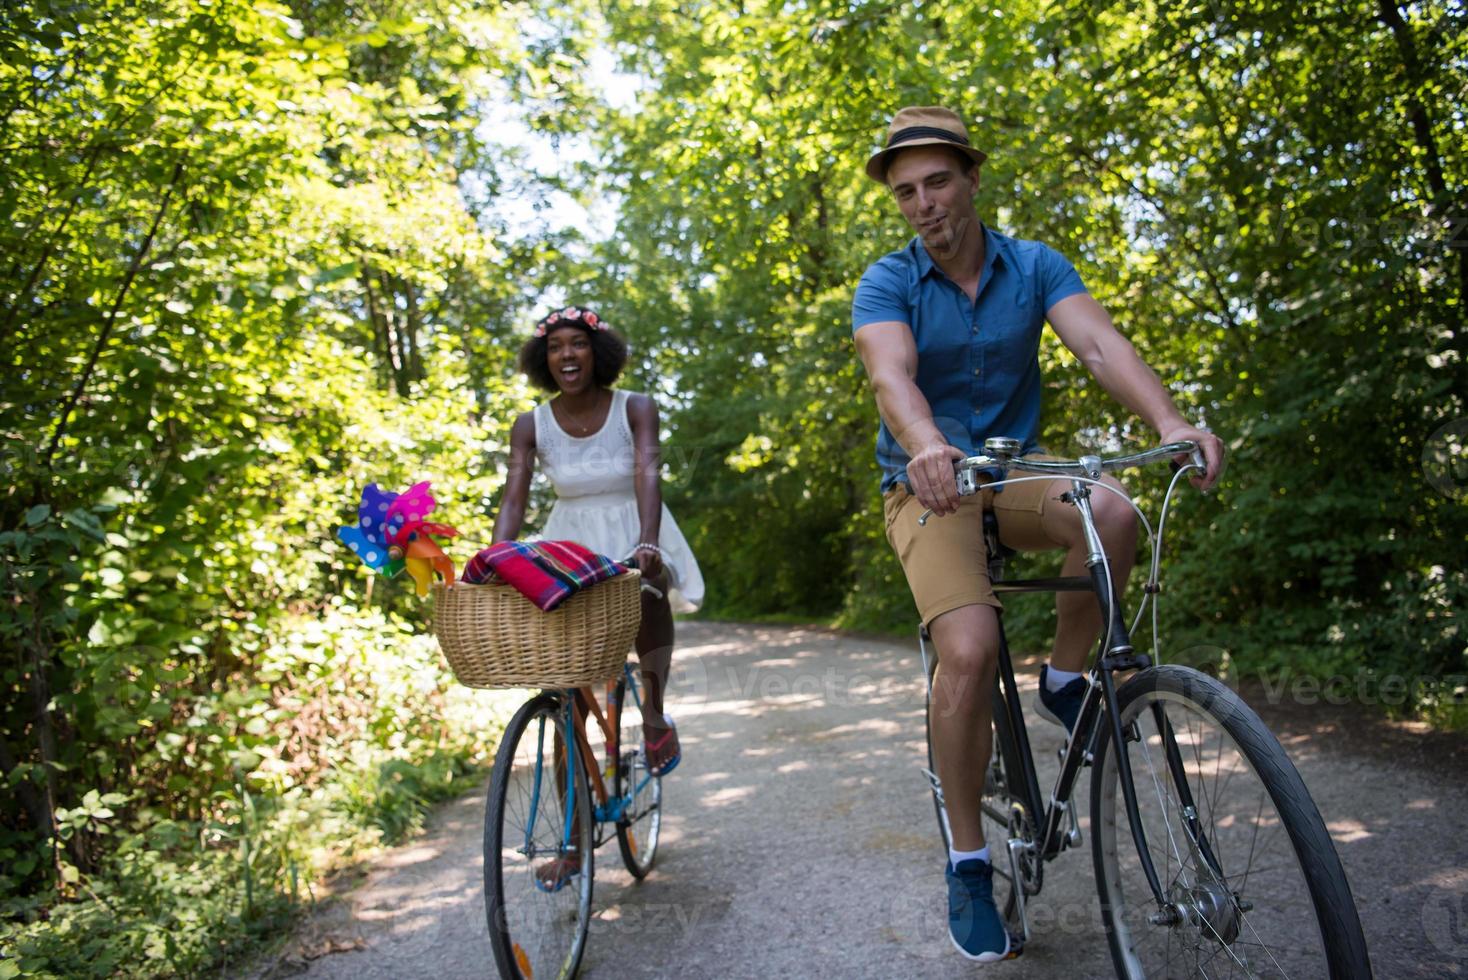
(968, 644)
(965, 672)
(968, 660)
(1114, 516)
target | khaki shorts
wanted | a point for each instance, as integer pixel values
(946, 562)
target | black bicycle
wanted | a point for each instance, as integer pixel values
(1211, 858)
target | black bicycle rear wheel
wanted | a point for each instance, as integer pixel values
(537, 927)
(1252, 883)
(1003, 815)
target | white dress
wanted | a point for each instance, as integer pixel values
(596, 501)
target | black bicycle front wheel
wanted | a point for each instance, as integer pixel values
(641, 793)
(1251, 881)
(538, 851)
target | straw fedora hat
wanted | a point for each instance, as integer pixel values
(922, 125)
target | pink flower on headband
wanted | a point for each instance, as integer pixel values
(573, 314)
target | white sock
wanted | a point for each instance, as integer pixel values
(1056, 679)
(982, 854)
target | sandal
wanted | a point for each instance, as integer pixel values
(649, 747)
(554, 875)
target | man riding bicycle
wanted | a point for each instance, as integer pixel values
(948, 329)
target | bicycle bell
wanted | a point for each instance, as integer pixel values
(1002, 447)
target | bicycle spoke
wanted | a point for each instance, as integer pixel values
(639, 791)
(1163, 804)
(1253, 843)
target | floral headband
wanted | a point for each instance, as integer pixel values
(574, 314)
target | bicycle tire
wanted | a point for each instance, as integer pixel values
(535, 932)
(640, 829)
(1000, 801)
(1248, 801)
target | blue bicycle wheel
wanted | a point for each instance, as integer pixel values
(538, 852)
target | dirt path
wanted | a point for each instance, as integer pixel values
(800, 841)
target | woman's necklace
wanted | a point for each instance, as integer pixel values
(583, 427)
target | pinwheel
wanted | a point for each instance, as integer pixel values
(391, 534)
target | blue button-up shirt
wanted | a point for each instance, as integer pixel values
(978, 362)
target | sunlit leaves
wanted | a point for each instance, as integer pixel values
(1240, 184)
(211, 209)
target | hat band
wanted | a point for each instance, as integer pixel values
(924, 132)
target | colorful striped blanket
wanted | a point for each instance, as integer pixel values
(545, 572)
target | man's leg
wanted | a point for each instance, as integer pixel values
(967, 639)
(944, 565)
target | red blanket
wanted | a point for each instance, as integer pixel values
(545, 572)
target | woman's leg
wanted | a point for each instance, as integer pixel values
(655, 657)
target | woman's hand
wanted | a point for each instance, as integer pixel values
(649, 561)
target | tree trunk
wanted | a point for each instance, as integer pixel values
(1443, 196)
(106, 332)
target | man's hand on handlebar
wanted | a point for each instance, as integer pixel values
(1211, 446)
(930, 475)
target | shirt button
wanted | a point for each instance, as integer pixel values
(977, 372)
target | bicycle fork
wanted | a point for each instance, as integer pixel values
(1117, 653)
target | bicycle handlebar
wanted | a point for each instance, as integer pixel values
(1004, 454)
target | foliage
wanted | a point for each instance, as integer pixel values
(365, 733)
(249, 267)
(1266, 196)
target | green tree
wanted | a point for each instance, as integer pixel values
(1262, 194)
(251, 264)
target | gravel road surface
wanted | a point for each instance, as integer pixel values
(799, 838)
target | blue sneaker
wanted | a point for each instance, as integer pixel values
(974, 925)
(1063, 707)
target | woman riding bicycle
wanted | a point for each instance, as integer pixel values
(600, 449)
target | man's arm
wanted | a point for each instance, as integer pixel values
(1085, 328)
(890, 356)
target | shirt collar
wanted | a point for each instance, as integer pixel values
(994, 246)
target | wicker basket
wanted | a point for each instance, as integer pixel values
(492, 636)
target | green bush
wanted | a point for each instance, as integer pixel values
(367, 729)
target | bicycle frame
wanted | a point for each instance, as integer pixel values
(1114, 652)
(576, 704)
